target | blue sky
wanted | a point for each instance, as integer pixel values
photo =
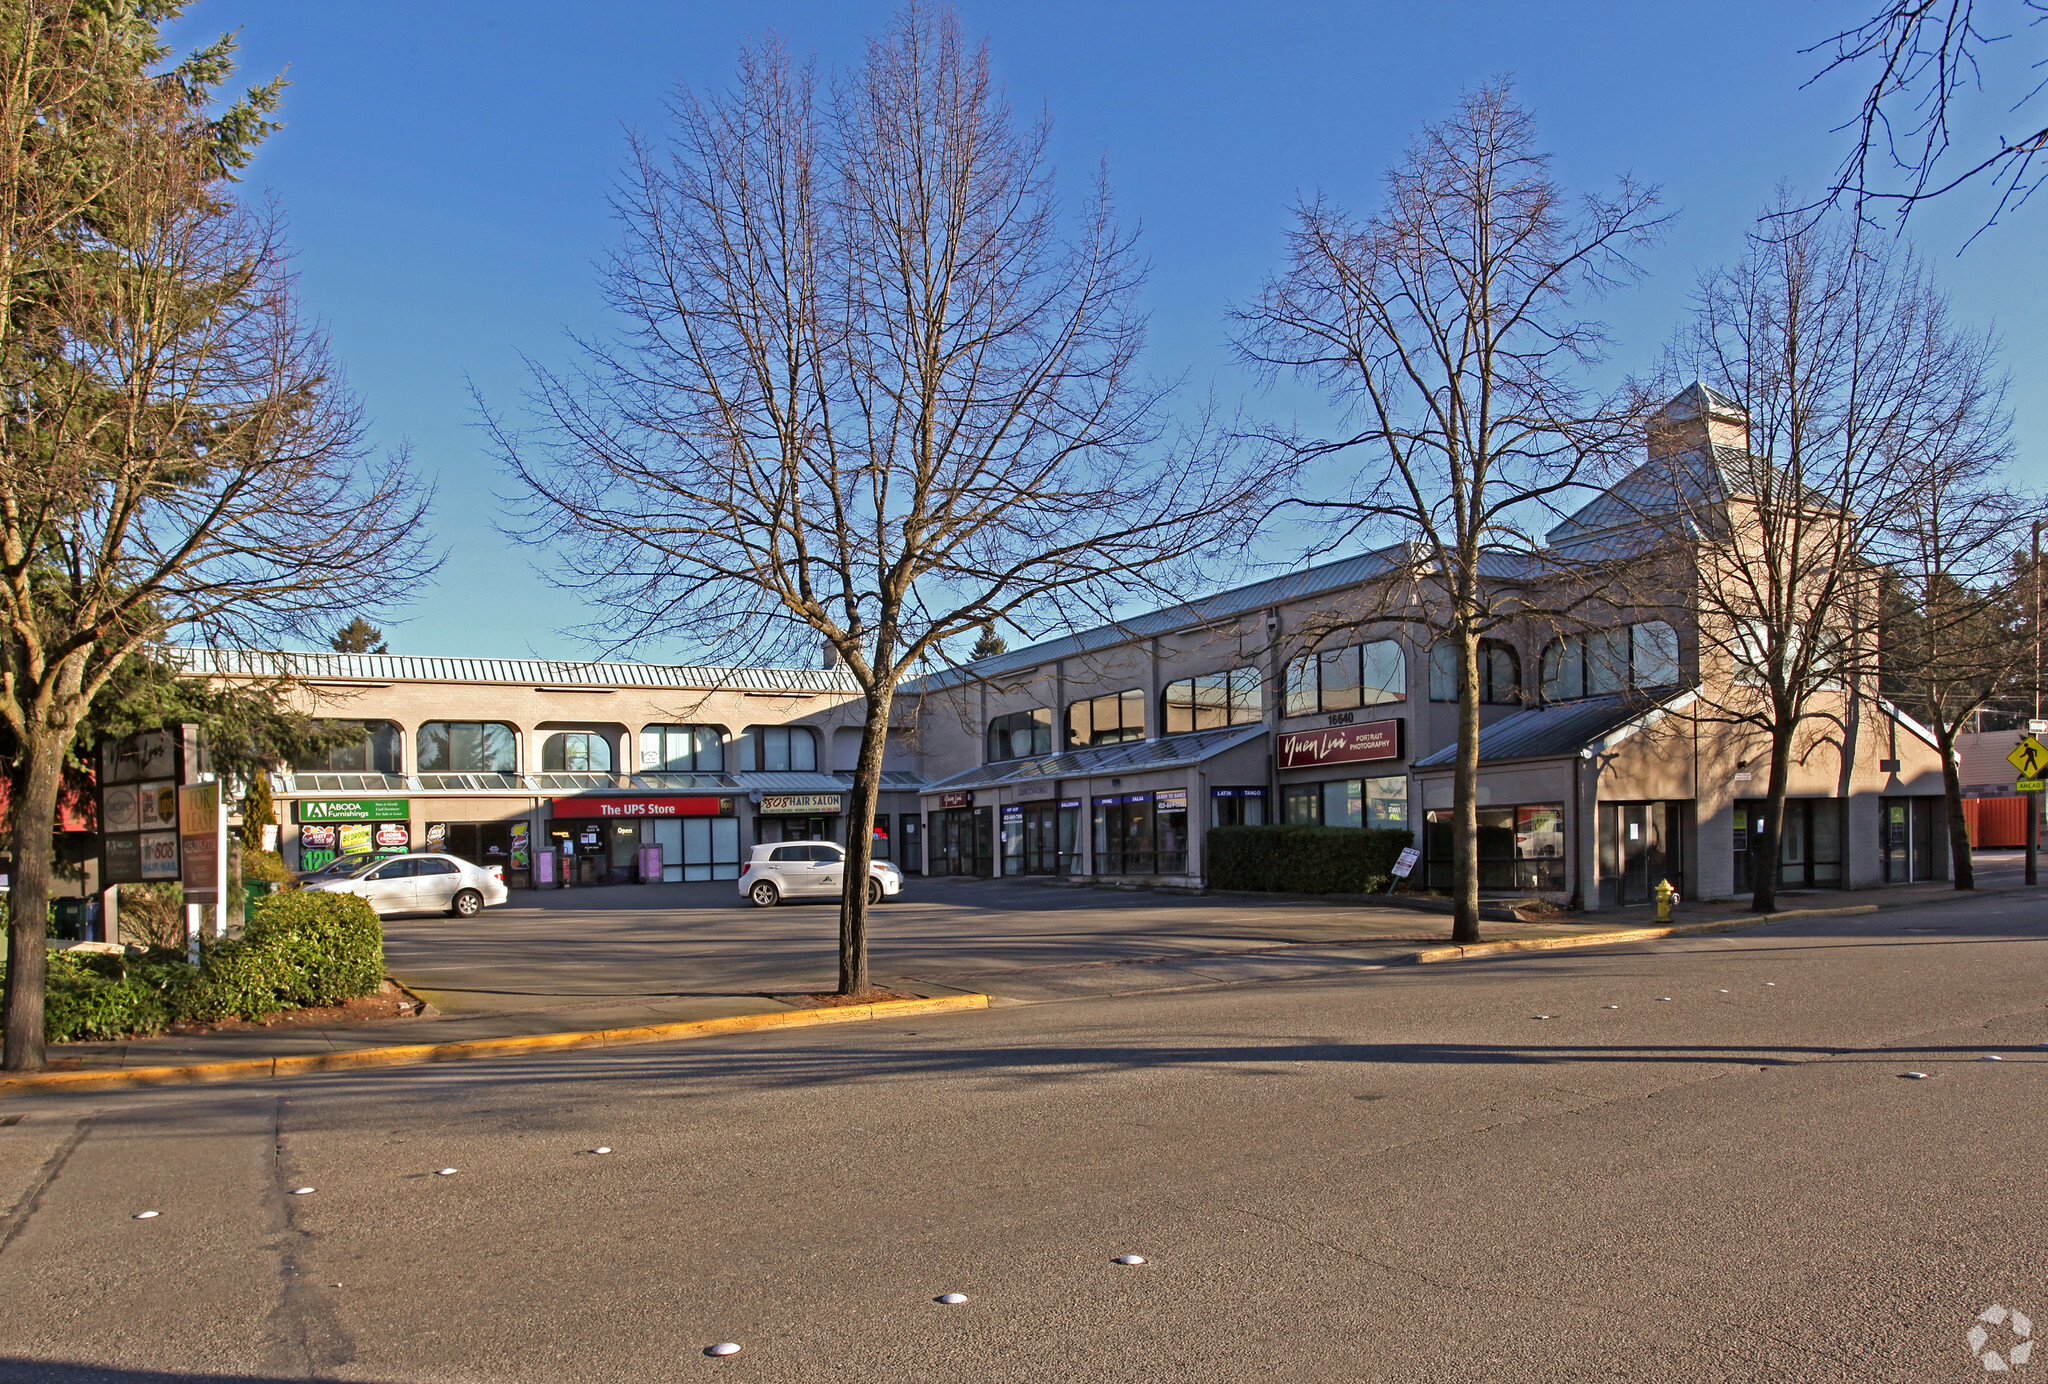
(445, 168)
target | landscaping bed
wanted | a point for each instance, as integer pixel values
(300, 951)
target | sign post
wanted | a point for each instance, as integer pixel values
(2030, 759)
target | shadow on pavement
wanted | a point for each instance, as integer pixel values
(14, 1370)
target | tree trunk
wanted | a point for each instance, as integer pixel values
(860, 841)
(1764, 899)
(1961, 867)
(35, 826)
(1465, 796)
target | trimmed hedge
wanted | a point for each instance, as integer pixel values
(300, 949)
(1305, 860)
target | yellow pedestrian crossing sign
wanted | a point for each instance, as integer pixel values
(2030, 757)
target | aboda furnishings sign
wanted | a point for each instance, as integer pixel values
(1305, 749)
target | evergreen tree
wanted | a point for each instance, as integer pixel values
(989, 645)
(358, 636)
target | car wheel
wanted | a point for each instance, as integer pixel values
(874, 891)
(764, 894)
(467, 904)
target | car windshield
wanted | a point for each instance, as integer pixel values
(362, 865)
(343, 867)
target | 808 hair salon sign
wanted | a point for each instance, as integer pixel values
(1304, 749)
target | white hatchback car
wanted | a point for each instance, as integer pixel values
(419, 884)
(809, 870)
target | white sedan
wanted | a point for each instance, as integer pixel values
(419, 884)
(809, 870)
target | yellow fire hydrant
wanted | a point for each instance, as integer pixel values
(1666, 896)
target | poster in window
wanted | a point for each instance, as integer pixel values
(522, 846)
(437, 836)
(353, 837)
(393, 836)
(1539, 833)
(319, 837)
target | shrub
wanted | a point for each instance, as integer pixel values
(1305, 860)
(300, 949)
(330, 945)
(267, 866)
(84, 1001)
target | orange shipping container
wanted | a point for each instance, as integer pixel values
(1996, 822)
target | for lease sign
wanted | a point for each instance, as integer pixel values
(1305, 749)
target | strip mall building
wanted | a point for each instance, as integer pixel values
(1111, 753)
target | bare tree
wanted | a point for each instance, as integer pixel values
(1840, 373)
(870, 393)
(1446, 325)
(177, 460)
(1952, 639)
(1923, 58)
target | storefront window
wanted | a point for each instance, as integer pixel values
(576, 752)
(683, 749)
(1213, 701)
(776, 748)
(1020, 735)
(1107, 720)
(1302, 804)
(468, 747)
(1358, 675)
(1237, 807)
(1521, 849)
(375, 753)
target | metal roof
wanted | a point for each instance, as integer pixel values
(1563, 728)
(531, 672)
(788, 781)
(1312, 581)
(1169, 752)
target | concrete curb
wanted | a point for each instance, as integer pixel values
(419, 1054)
(1603, 939)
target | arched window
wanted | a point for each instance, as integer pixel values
(376, 752)
(1610, 660)
(778, 748)
(1020, 735)
(1107, 720)
(1357, 675)
(576, 752)
(1213, 700)
(468, 747)
(682, 749)
(1500, 672)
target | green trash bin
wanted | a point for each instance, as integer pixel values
(70, 918)
(252, 890)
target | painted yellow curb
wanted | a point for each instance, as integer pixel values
(416, 1054)
(1634, 934)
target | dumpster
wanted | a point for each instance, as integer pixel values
(252, 890)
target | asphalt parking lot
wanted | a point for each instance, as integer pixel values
(1022, 938)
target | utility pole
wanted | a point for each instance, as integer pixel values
(2034, 798)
